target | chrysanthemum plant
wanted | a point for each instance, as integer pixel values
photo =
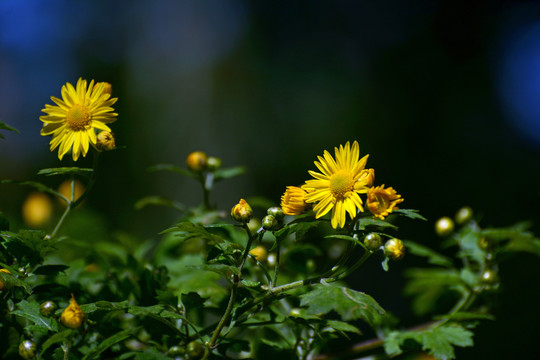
(262, 280)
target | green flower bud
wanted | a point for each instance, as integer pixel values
(48, 308)
(242, 212)
(463, 215)
(269, 222)
(195, 350)
(373, 241)
(276, 212)
(176, 351)
(213, 163)
(444, 226)
(394, 249)
(27, 349)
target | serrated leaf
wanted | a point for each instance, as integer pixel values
(30, 311)
(36, 185)
(365, 222)
(146, 310)
(107, 343)
(410, 213)
(10, 281)
(433, 257)
(159, 201)
(173, 168)
(350, 304)
(103, 306)
(188, 230)
(85, 172)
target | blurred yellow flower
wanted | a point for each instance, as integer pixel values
(72, 316)
(259, 253)
(381, 202)
(37, 209)
(338, 184)
(292, 201)
(74, 118)
(65, 189)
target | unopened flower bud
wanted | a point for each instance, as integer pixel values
(444, 226)
(72, 316)
(27, 349)
(394, 249)
(105, 141)
(373, 241)
(48, 308)
(195, 350)
(213, 163)
(464, 215)
(241, 212)
(269, 223)
(197, 161)
(259, 253)
(276, 212)
(107, 87)
(176, 351)
(2, 284)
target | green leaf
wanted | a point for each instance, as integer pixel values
(55, 339)
(173, 168)
(30, 311)
(34, 184)
(342, 326)
(9, 280)
(4, 126)
(50, 269)
(103, 306)
(108, 342)
(438, 341)
(433, 257)
(225, 270)
(348, 238)
(227, 173)
(26, 245)
(146, 310)
(365, 222)
(410, 213)
(350, 304)
(85, 172)
(189, 230)
(159, 201)
(469, 243)
(465, 316)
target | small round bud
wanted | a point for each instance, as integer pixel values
(463, 215)
(394, 249)
(213, 163)
(5, 271)
(197, 161)
(27, 349)
(72, 317)
(269, 223)
(105, 141)
(48, 308)
(195, 350)
(37, 209)
(241, 212)
(295, 312)
(176, 351)
(373, 241)
(107, 87)
(444, 226)
(259, 253)
(276, 212)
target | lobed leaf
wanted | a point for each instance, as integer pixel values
(108, 342)
(31, 312)
(410, 213)
(433, 257)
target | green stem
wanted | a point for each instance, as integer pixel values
(276, 267)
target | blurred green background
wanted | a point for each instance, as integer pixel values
(444, 97)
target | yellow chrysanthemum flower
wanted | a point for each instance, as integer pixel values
(381, 201)
(292, 201)
(338, 184)
(74, 118)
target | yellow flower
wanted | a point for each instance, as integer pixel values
(73, 121)
(381, 201)
(292, 201)
(5, 271)
(72, 316)
(338, 184)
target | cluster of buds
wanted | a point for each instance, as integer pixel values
(199, 161)
(393, 248)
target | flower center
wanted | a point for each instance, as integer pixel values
(78, 117)
(341, 183)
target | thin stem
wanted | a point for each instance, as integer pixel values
(61, 221)
(276, 267)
